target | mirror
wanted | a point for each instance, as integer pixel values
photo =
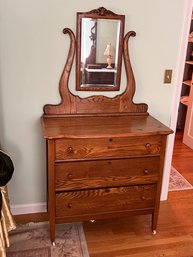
(99, 50)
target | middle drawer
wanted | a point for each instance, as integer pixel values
(106, 173)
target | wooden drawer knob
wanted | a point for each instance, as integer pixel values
(69, 176)
(143, 198)
(146, 172)
(148, 145)
(70, 149)
(70, 205)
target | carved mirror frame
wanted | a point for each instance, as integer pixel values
(96, 105)
(98, 76)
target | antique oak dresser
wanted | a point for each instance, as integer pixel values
(105, 155)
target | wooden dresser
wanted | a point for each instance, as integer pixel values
(105, 155)
(109, 166)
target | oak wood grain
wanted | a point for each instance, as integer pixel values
(106, 173)
(104, 201)
(69, 149)
(98, 126)
(81, 148)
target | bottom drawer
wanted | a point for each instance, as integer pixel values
(109, 200)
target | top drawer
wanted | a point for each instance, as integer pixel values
(68, 149)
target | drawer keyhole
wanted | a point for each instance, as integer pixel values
(146, 172)
(69, 176)
(70, 205)
(70, 150)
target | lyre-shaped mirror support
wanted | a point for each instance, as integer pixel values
(126, 99)
(67, 98)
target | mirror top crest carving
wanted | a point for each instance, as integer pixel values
(100, 46)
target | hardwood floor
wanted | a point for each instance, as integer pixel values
(132, 236)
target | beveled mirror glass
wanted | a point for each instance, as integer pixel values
(99, 50)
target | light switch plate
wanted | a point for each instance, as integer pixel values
(168, 76)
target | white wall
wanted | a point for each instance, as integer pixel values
(32, 55)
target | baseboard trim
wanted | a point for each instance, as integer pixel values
(28, 208)
(30, 217)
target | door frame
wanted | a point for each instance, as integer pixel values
(176, 96)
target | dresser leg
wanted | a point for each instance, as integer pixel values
(154, 222)
(52, 233)
(52, 228)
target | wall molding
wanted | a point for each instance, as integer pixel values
(28, 208)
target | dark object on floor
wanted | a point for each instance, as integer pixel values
(6, 172)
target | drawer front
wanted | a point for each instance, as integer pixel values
(68, 149)
(106, 173)
(85, 202)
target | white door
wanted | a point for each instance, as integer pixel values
(188, 130)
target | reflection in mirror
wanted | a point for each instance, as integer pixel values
(99, 52)
(100, 39)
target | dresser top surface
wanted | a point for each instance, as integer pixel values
(101, 126)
